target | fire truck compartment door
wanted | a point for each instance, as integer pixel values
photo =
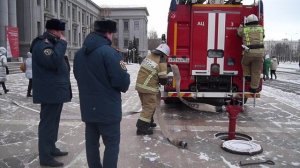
(210, 32)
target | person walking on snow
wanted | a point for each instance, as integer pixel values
(28, 73)
(153, 72)
(274, 65)
(3, 66)
(266, 67)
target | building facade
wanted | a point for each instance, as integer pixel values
(131, 24)
(30, 16)
(8, 17)
(79, 16)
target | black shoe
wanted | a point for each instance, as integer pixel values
(143, 128)
(0, 93)
(144, 131)
(52, 163)
(57, 152)
(6, 91)
(29, 95)
(153, 124)
(253, 90)
(248, 78)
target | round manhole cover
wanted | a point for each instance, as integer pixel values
(242, 147)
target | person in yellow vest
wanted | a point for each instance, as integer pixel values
(152, 74)
(253, 43)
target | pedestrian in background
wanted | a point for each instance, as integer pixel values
(274, 65)
(266, 67)
(51, 81)
(101, 76)
(3, 71)
(152, 74)
(28, 73)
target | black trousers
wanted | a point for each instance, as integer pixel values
(29, 87)
(48, 130)
(3, 86)
(273, 72)
(111, 140)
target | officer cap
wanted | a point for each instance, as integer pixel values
(104, 26)
(55, 24)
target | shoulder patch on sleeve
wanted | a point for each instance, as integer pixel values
(48, 51)
(123, 65)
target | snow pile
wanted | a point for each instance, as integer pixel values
(149, 155)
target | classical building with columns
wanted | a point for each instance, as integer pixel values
(8, 17)
(79, 16)
(30, 16)
(131, 24)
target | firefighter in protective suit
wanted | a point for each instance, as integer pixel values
(153, 72)
(253, 43)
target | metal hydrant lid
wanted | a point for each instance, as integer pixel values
(242, 147)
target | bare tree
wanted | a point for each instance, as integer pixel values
(153, 40)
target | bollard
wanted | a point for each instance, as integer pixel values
(233, 109)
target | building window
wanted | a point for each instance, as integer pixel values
(136, 25)
(39, 28)
(126, 25)
(83, 18)
(79, 38)
(38, 2)
(62, 8)
(79, 16)
(115, 41)
(69, 11)
(75, 35)
(55, 6)
(47, 5)
(69, 35)
(137, 42)
(126, 41)
(74, 13)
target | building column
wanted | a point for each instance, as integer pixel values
(12, 13)
(3, 21)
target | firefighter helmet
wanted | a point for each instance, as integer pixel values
(164, 48)
(251, 18)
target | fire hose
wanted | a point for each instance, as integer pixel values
(179, 142)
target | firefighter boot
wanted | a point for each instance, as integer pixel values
(143, 128)
(152, 123)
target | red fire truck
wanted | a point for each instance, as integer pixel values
(204, 44)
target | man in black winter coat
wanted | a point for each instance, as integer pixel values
(101, 77)
(51, 84)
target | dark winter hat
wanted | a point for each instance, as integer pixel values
(55, 24)
(104, 26)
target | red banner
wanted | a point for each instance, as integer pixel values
(12, 38)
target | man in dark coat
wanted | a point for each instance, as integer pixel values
(50, 87)
(101, 76)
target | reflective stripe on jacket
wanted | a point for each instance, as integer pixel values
(252, 34)
(152, 69)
